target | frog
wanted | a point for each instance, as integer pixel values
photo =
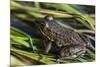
(68, 42)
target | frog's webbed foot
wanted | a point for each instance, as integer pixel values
(58, 61)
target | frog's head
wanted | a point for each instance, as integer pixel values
(44, 22)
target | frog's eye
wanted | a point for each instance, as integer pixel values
(49, 18)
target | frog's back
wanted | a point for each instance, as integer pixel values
(61, 34)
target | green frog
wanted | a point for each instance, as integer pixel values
(68, 42)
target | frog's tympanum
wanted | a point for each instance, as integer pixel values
(68, 41)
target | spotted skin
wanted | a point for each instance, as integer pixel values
(68, 41)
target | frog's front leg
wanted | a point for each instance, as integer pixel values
(47, 45)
